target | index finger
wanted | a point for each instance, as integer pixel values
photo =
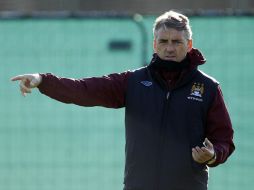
(18, 77)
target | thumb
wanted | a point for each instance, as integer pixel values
(33, 82)
(208, 144)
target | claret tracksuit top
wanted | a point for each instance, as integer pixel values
(166, 115)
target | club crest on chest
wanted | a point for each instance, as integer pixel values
(196, 92)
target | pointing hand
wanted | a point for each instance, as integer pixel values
(27, 81)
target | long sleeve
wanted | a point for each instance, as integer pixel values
(219, 129)
(107, 91)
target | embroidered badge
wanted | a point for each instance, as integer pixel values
(197, 90)
(146, 83)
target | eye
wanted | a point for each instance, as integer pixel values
(176, 42)
(162, 41)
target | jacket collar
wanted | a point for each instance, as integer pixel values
(195, 58)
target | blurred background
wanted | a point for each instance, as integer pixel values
(47, 145)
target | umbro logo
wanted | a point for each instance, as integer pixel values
(146, 83)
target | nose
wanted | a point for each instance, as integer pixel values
(170, 47)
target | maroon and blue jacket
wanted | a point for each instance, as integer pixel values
(115, 90)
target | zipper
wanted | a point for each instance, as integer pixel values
(168, 95)
(162, 129)
(162, 139)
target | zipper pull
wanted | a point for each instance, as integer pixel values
(168, 94)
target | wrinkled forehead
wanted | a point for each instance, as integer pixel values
(168, 32)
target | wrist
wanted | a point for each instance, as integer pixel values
(211, 160)
(38, 79)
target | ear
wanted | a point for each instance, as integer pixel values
(154, 45)
(189, 45)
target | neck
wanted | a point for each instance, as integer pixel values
(159, 63)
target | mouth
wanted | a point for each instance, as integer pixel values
(170, 58)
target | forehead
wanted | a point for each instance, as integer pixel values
(169, 33)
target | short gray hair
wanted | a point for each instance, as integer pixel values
(172, 19)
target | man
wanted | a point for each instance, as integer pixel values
(176, 120)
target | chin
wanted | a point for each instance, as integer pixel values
(170, 59)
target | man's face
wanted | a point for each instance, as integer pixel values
(170, 44)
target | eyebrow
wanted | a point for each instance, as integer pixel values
(163, 40)
(176, 40)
